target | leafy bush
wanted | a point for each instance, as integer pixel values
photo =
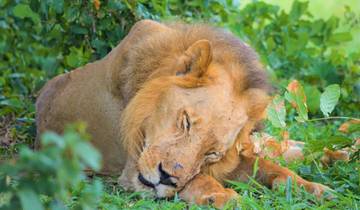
(296, 46)
(47, 178)
(41, 39)
(298, 103)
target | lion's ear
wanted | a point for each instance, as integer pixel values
(257, 101)
(199, 57)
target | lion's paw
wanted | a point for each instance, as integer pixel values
(322, 191)
(205, 190)
(217, 199)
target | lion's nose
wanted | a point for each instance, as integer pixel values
(166, 178)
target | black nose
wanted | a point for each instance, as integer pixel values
(145, 181)
(165, 177)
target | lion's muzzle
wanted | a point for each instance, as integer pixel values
(167, 168)
(165, 179)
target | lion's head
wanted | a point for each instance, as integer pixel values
(178, 124)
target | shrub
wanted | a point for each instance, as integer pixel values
(48, 178)
(294, 45)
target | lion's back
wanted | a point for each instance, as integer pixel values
(44, 103)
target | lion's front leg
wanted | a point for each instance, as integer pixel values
(205, 190)
(271, 174)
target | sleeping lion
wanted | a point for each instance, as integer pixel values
(171, 109)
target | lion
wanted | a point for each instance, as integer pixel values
(171, 109)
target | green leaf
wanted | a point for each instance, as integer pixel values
(298, 9)
(23, 10)
(13, 102)
(29, 200)
(329, 98)
(50, 138)
(312, 98)
(77, 57)
(58, 5)
(79, 30)
(340, 37)
(89, 155)
(256, 167)
(276, 112)
(338, 141)
(72, 59)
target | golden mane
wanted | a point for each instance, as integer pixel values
(149, 64)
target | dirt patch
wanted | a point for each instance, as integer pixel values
(6, 124)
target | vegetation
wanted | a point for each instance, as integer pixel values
(313, 63)
(53, 175)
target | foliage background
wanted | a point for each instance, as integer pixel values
(295, 40)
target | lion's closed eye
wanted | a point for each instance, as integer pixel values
(184, 121)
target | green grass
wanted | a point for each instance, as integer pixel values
(252, 196)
